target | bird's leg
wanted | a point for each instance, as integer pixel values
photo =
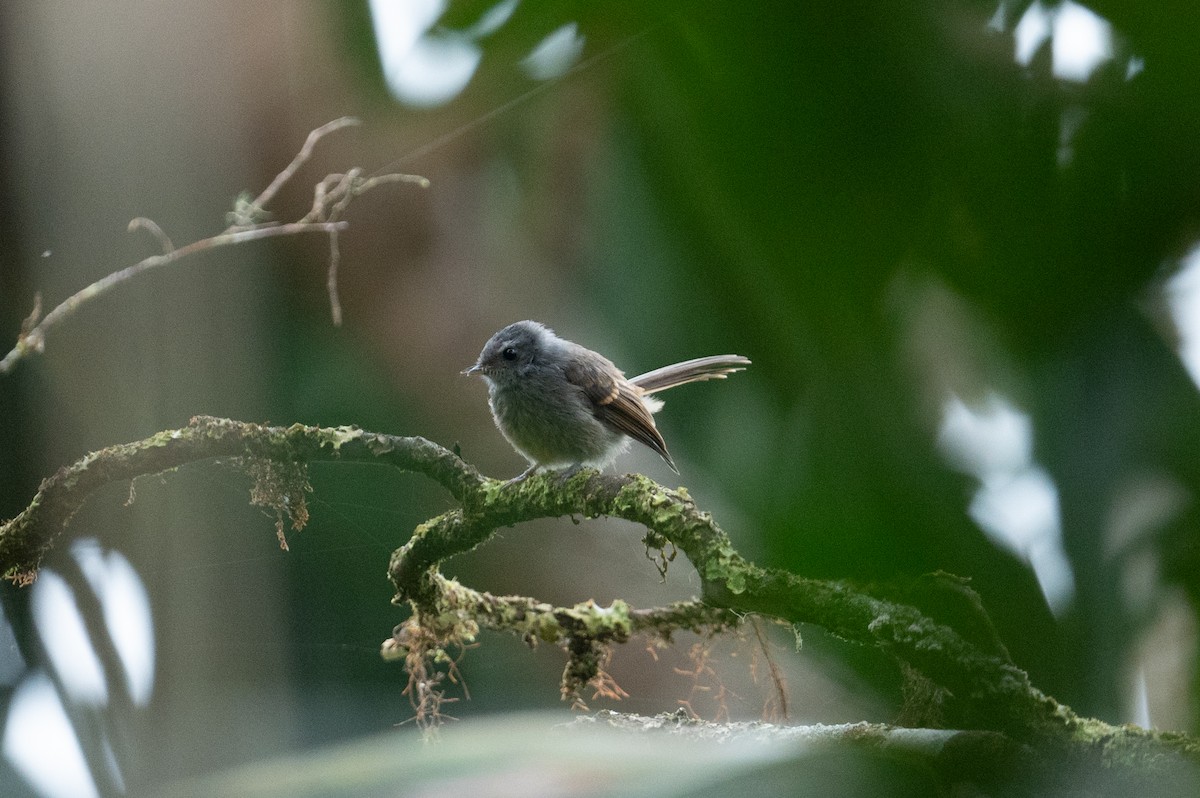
(570, 471)
(528, 472)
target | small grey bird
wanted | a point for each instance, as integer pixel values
(560, 404)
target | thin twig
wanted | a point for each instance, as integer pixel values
(30, 321)
(33, 341)
(331, 282)
(302, 157)
(151, 226)
(332, 196)
(777, 680)
(368, 183)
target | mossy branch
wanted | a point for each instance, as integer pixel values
(25, 539)
(980, 688)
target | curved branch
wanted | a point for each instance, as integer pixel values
(25, 539)
(983, 690)
(999, 693)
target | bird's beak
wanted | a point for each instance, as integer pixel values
(472, 370)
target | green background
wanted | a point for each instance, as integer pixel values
(874, 202)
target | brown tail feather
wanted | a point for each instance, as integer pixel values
(715, 367)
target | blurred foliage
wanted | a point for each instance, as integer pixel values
(881, 207)
(874, 202)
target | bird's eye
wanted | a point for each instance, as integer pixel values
(509, 353)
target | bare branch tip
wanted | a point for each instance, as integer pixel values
(329, 127)
(34, 316)
(150, 226)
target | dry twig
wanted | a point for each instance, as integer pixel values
(247, 222)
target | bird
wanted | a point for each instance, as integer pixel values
(560, 404)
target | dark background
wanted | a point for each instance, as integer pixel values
(876, 203)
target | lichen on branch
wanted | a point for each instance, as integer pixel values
(976, 686)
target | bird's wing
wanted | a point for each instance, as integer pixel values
(617, 403)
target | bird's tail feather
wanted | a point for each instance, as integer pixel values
(714, 367)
